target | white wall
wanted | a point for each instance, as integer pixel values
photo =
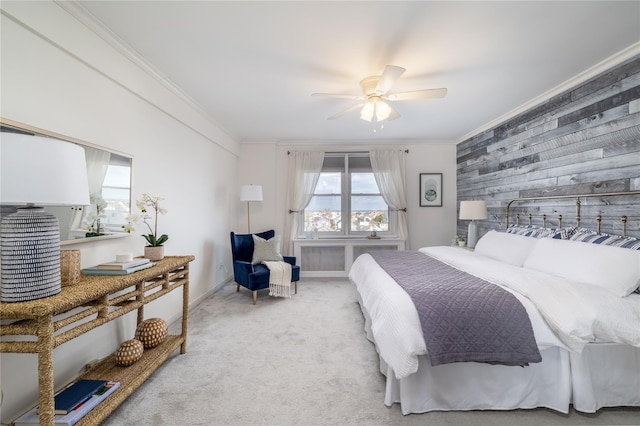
(258, 165)
(266, 163)
(59, 76)
(432, 226)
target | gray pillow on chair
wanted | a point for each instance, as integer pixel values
(268, 250)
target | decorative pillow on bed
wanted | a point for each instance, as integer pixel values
(508, 248)
(613, 268)
(268, 250)
(524, 230)
(589, 236)
(537, 232)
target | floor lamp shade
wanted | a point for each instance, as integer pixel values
(250, 193)
(36, 171)
(473, 210)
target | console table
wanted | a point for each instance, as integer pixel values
(95, 301)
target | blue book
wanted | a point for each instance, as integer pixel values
(31, 418)
(96, 270)
(75, 394)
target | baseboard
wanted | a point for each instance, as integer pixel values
(174, 319)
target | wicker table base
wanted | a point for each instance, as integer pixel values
(95, 301)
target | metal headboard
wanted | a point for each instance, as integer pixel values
(624, 219)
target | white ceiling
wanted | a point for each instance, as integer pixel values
(252, 66)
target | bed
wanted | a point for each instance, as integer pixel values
(578, 287)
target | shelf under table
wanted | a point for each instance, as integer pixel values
(130, 377)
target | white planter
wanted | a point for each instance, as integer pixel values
(154, 253)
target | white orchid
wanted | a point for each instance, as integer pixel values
(92, 220)
(152, 202)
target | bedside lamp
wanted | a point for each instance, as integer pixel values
(36, 171)
(472, 210)
(250, 193)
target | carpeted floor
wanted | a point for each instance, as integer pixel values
(298, 361)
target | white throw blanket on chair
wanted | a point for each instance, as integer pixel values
(279, 278)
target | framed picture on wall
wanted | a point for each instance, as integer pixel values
(430, 189)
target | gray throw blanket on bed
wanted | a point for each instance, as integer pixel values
(463, 317)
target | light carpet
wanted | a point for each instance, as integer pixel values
(298, 361)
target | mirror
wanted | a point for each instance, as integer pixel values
(109, 176)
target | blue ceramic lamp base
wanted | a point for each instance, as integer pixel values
(472, 234)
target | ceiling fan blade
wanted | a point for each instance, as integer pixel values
(394, 114)
(346, 111)
(418, 94)
(389, 76)
(338, 95)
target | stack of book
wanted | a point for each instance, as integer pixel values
(73, 402)
(119, 268)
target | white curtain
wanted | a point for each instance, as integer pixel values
(304, 172)
(389, 171)
(97, 165)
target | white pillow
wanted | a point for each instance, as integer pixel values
(613, 268)
(508, 248)
(266, 250)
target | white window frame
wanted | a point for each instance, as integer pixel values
(346, 195)
(117, 161)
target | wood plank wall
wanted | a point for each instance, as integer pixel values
(585, 140)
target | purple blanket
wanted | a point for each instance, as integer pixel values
(463, 317)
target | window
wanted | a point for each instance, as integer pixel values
(116, 192)
(347, 200)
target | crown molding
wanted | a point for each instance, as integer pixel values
(599, 68)
(359, 142)
(87, 19)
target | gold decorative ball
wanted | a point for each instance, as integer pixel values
(129, 352)
(151, 332)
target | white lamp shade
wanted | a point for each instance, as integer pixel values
(251, 193)
(383, 111)
(366, 113)
(473, 210)
(42, 171)
(376, 107)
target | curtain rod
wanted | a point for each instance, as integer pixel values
(349, 152)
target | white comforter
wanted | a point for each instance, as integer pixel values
(562, 313)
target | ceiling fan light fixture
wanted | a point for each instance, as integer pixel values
(367, 111)
(378, 98)
(375, 106)
(383, 110)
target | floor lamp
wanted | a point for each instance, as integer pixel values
(250, 193)
(473, 210)
(36, 171)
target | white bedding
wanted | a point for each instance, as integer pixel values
(577, 312)
(565, 317)
(399, 337)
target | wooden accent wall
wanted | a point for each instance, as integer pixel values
(585, 140)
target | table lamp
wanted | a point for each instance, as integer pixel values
(36, 171)
(250, 193)
(472, 210)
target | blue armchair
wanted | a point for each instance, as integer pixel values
(255, 277)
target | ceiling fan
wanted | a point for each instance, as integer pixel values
(376, 98)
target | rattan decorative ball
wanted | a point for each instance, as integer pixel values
(129, 352)
(151, 332)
